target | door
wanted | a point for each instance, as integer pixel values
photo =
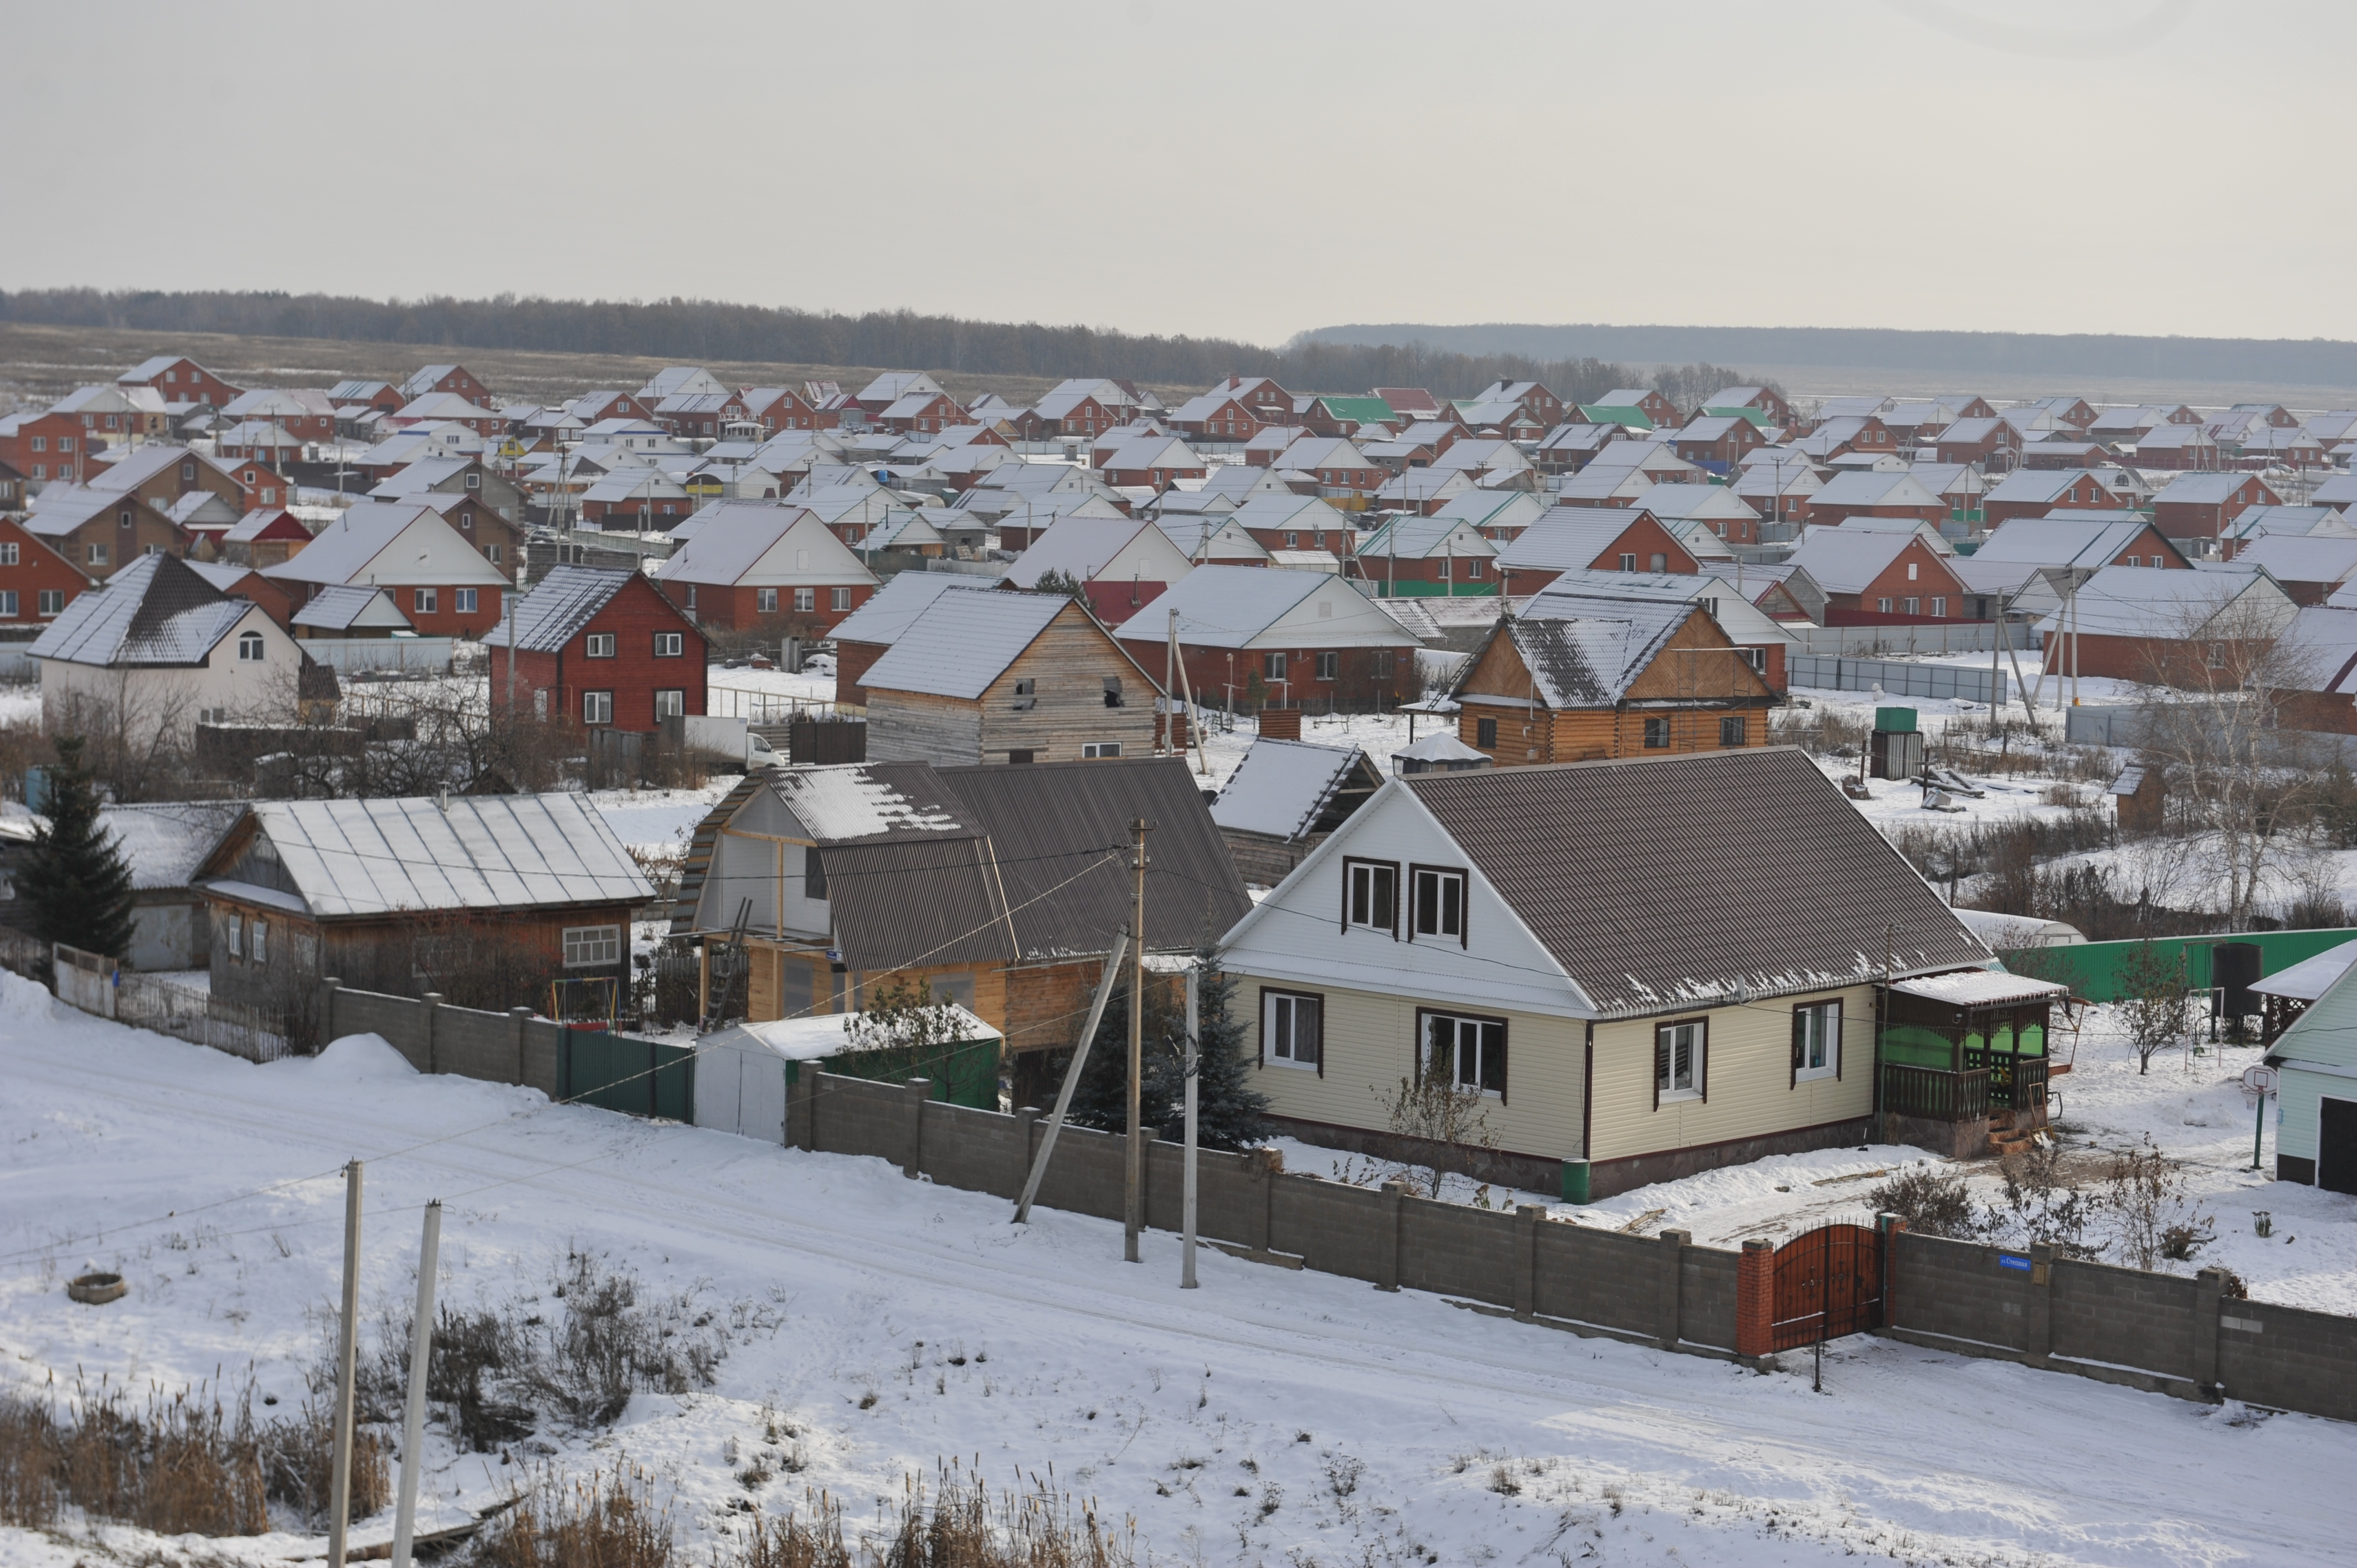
(1828, 1283)
(2336, 1145)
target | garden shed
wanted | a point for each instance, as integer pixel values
(744, 1074)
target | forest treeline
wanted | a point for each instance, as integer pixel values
(692, 330)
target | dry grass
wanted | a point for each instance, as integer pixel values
(612, 1520)
(959, 1525)
(184, 1465)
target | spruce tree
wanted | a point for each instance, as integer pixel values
(75, 877)
(1229, 1114)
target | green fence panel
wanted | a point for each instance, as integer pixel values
(2091, 970)
(963, 1074)
(616, 1072)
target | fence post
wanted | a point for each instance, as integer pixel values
(1387, 1268)
(428, 1005)
(1674, 1287)
(1261, 1166)
(2039, 1330)
(1526, 1259)
(522, 1016)
(1755, 1301)
(2209, 1292)
(327, 988)
(915, 1093)
(805, 1089)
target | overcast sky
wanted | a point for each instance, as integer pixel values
(1243, 170)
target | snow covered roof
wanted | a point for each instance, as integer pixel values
(2311, 977)
(349, 609)
(1282, 786)
(1231, 606)
(155, 611)
(393, 543)
(1981, 988)
(867, 802)
(164, 843)
(1440, 746)
(559, 605)
(495, 851)
(825, 1035)
(960, 643)
(1587, 650)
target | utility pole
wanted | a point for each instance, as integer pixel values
(1170, 666)
(340, 1495)
(1194, 1065)
(421, 1351)
(1134, 1179)
(511, 648)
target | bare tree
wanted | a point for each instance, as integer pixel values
(1440, 1122)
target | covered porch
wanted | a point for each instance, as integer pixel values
(1963, 1058)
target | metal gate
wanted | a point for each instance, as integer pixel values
(1828, 1284)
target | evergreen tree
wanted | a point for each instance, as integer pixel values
(75, 878)
(1229, 1114)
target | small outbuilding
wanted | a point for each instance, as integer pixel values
(745, 1074)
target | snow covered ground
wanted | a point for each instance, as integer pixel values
(1271, 1417)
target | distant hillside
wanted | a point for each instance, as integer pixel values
(2063, 358)
(706, 331)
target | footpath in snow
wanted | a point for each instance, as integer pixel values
(1269, 1417)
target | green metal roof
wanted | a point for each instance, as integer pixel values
(1365, 409)
(1758, 416)
(1608, 414)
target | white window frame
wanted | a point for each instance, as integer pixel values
(1816, 1040)
(598, 645)
(52, 602)
(839, 598)
(7, 554)
(237, 934)
(670, 703)
(257, 946)
(1694, 1035)
(426, 601)
(593, 946)
(463, 601)
(1442, 880)
(765, 601)
(671, 644)
(1329, 666)
(251, 649)
(805, 600)
(1096, 749)
(1281, 1017)
(1367, 886)
(596, 707)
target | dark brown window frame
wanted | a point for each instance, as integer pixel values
(1702, 1066)
(1261, 1031)
(1464, 902)
(1505, 1041)
(1394, 867)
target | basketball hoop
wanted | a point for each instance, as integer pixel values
(2259, 1078)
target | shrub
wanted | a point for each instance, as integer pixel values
(1931, 1202)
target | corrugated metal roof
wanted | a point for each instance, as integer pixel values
(155, 611)
(1281, 786)
(890, 608)
(343, 608)
(1652, 884)
(962, 643)
(498, 852)
(559, 605)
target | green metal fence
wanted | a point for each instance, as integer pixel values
(963, 1073)
(2091, 970)
(616, 1072)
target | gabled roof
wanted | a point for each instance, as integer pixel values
(1089, 547)
(2201, 490)
(1847, 560)
(761, 543)
(960, 643)
(1282, 786)
(1868, 486)
(1566, 538)
(263, 522)
(1583, 652)
(559, 605)
(1231, 606)
(156, 612)
(2067, 539)
(386, 856)
(344, 609)
(2300, 558)
(2150, 602)
(891, 609)
(138, 465)
(1669, 893)
(2038, 486)
(390, 542)
(1410, 536)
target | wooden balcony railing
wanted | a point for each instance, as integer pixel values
(1935, 1093)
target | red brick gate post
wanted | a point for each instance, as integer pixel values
(1755, 1300)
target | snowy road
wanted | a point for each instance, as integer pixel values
(1269, 1413)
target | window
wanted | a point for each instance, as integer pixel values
(1755, 657)
(1816, 1040)
(42, 444)
(1472, 566)
(7, 554)
(1940, 607)
(670, 703)
(805, 600)
(838, 598)
(599, 645)
(428, 600)
(2217, 656)
(8, 603)
(236, 933)
(1099, 749)
(1469, 1054)
(1661, 561)
(691, 598)
(1027, 696)
(53, 601)
(467, 520)
(1657, 733)
(491, 554)
(813, 874)
(474, 482)
(258, 941)
(1018, 757)
(123, 518)
(596, 707)
(1370, 896)
(1293, 1030)
(249, 648)
(1730, 732)
(1485, 734)
(463, 600)
(540, 704)
(1439, 902)
(1882, 607)
(670, 644)
(1329, 666)
(1680, 1065)
(1273, 666)
(98, 554)
(1912, 567)
(1292, 540)
(765, 601)
(587, 945)
(65, 443)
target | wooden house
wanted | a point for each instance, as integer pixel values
(1251, 638)
(1660, 992)
(1005, 676)
(265, 537)
(1285, 799)
(1603, 677)
(397, 895)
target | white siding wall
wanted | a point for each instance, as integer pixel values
(148, 703)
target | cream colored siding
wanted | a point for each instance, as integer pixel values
(1753, 1094)
(1371, 1045)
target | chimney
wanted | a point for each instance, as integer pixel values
(442, 799)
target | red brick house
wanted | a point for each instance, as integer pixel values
(436, 578)
(1154, 462)
(2172, 445)
(1075, 414)
(1716, 441)
(1989, 442)
(35, 581)
(1860, 432)
(1873, 493)
(304, 412)
(1251, 636)
(180, 380)
(590, 408)
(2199, 506)
(1580, 539)
(1237, 410)
(1766, 400)
(445, 379)
(48, 446)
(258, 485)
(2034, 492)
(603, 648)
(921, 412)
(1876, 578)
(776, 571)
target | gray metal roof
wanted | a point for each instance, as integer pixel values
(1587, 649)
(155, 611)
(1668, 893)
(559, 607)
(493, 852)
(960, 643)
(1281, 786)
(344, 608)
(890, 608)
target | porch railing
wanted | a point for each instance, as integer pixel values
(1935, 1093)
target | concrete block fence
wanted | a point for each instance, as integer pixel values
(2165, 1332)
